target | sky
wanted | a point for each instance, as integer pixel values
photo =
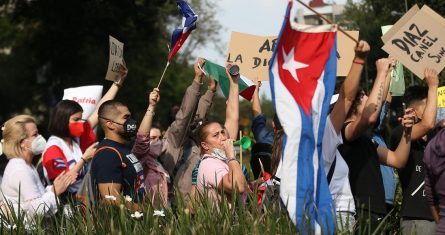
(259, 17)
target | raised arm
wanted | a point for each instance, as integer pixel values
(349, 87)
(256, 104)
(146, 122)
(177, 131)
(206, 100)
(429, 115)
(259, 129)
(373, 104)
(142, 144)
(232, 109)
(93, 119)
(399, 157)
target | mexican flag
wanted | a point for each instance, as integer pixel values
(217, 72)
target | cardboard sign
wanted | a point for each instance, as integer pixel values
(252, 54)
(345, 52)
(116, 60)
(417, 40)
(86, 96)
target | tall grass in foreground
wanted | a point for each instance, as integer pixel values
(239, 218)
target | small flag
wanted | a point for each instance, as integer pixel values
(302, 79)
(217, 72)
(179, 35)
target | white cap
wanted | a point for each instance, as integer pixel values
(334, 99)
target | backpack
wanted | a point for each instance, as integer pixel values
(85, 194)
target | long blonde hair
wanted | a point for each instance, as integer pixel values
(14, 132)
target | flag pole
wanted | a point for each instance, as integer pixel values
(262, 167)
(163, 73)
(241, 150)
(328, 20)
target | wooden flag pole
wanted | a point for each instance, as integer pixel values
(241, 150)
(262, 167)
(327, 20)
(163, 73)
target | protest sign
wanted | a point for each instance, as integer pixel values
(86, 96)
(345, 52)
(252, 54)
(417, 40)
(115, 60)
(441, 97)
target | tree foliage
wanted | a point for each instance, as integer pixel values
(49, 45)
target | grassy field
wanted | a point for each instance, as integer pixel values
(239, 218)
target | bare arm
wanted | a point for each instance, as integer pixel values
(235, 177)
(232, 109)
(349, 87)
(93, 119)
(374, 102)
(146, 122)
(399, 157)
(87, 155)
(429, 115)
(256, 104)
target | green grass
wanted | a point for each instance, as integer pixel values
(239, 218)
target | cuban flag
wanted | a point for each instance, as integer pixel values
(179, 35)
(302, 79)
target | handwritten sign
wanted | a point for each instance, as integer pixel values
(116, 60)
(345, 52)
(252, 54)
(86, 96)
(417, 40)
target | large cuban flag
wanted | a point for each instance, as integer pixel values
(302, 80)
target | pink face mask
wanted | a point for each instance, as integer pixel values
(155, 148)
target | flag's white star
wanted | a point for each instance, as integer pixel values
(291, 65)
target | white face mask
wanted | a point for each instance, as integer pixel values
(219, 153)
(38, 145)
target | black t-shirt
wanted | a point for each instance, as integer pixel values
(414, 204)
(107, 168)
(364, 173)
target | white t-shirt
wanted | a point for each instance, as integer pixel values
(34, 198)
(339, 186)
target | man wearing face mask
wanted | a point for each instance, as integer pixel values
(115, 170)
(147, 150)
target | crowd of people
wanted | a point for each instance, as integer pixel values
(195, 156)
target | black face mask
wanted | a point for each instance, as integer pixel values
(130, 127)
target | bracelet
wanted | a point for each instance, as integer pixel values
(83, 159)
(117, 84)
(152, 112)
(358, 62)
